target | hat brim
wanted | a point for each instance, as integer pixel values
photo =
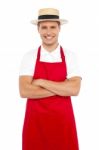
(62, 21)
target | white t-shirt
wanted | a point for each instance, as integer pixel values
(29, 60)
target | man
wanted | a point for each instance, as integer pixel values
(48, 78)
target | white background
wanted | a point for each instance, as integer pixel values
(18, 36)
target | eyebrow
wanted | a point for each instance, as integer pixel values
(44, 26)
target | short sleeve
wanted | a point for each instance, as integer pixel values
(27, 66)
(72, 64)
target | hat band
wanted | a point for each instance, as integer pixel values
(48, 17)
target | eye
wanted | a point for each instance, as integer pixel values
(43, 27)
(53, 27)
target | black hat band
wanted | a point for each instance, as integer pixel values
(48, 17)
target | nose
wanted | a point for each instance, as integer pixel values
(48, 31)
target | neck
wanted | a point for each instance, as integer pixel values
(50, 47)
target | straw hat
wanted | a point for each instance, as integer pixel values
(48, 14)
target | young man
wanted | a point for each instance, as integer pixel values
(48, 78)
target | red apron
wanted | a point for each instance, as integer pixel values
(49, 123)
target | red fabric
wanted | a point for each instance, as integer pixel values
(49, 122)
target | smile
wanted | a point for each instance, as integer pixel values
(49, 37)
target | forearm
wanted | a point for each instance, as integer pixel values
(60, 88)
(65, 88)
(39, 92)
(29, 90)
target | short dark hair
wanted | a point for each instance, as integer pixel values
(52, 21)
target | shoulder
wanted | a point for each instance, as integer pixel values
(30, 54)
(70, 55)
(73, 68)
(68, 52)
(28, 62)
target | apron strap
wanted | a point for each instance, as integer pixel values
(38, 53)
(61, 52)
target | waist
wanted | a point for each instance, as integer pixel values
(50, 100)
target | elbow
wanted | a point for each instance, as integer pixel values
(22, 94)
(75, 92)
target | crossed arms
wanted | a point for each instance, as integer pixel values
(40, 88)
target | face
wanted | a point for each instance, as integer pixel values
(49, 31)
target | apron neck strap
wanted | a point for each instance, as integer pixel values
(38, 53)
(61, 52)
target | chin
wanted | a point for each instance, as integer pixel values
(49, 44)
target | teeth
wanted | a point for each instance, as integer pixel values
(49, 37)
